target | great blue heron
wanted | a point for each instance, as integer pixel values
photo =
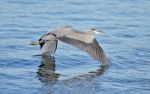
(83, 40)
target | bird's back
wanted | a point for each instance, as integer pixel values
(70, 32)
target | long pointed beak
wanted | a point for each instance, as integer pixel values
(34, 43)
(98, 32)
(101, 32)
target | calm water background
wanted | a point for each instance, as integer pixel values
(126, 41)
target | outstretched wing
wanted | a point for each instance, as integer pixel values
(92, 48)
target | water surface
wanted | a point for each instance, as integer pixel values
(126, 24)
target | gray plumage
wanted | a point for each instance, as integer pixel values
(83, 40)
(48, 44)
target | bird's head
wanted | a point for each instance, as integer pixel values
(94, 31)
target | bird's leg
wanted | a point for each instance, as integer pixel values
(38, 42)
(34, 43)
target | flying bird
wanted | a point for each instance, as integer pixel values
(83, 40)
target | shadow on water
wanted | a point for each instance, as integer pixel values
(46, 72)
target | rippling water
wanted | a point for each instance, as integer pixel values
(126, 41)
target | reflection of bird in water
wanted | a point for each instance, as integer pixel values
(93, 74)
(47, 74)
(83, 40)
(46, 71)
(76, 81)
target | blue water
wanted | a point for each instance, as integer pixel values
(126, 42)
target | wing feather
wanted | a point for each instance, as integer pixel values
(92, 48)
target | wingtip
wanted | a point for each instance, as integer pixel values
(105, 62)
